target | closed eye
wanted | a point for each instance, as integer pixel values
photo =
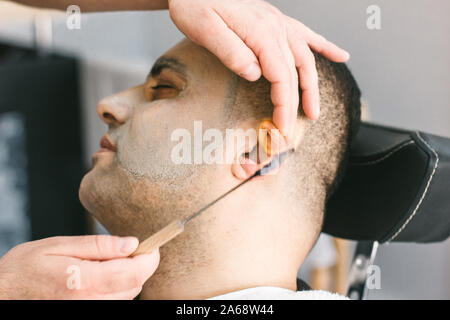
(162, 86)
(160, 90)
(166, 85)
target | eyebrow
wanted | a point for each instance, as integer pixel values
(167, 63)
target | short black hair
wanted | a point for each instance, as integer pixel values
(353, 109)
(321, 158)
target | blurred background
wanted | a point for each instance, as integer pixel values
(51, 78)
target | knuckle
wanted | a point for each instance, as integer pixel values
(234, 64)
(277, 12)
(271, 9)
(206, 21)
(321, 44)
(310, 58)
(305, 57)
(98, 245)
(298, 39)
(275, 16)
(26, 248)
(103, 243)
(21, 247)
(274, 26)
(309, 85)
(206, 16)
(228, 58)
(298, 26)
(53, 242)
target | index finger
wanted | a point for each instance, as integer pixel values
(317, 42)
(278, 67)
(308, 79)
(93, 247)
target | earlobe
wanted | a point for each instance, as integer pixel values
(244, 168)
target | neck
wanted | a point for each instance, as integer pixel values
(198, 278)
(236, 246)
(200, 264)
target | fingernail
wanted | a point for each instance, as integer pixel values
(285, 133)
(348, 55)
(253, 72)
(128, 244)
(291, 133)
(285, 128)
(317, 111)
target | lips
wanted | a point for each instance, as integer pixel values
(106, 143)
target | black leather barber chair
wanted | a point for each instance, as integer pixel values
(396, 188)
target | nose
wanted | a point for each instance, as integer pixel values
(113, 111)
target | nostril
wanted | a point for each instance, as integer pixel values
(108, 116)
(112, 111)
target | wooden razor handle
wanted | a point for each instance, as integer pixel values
(160, 238)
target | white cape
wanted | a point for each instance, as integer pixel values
(275, 293)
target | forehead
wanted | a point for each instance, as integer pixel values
(193, 61)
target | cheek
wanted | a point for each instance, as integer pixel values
(144, 144)
(151, 126)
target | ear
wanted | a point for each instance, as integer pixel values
(270, 144)
(245, 159)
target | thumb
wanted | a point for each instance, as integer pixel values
(95, 247)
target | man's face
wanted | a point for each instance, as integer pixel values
(134, 184)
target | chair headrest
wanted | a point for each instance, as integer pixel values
(396, 188)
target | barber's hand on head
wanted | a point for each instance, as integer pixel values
(252, 37)
(82, 267)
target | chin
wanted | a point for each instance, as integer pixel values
(123, 204)
(85, 193)
(94, 192)
(95, 183)
(105, 193)
(94, 200)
